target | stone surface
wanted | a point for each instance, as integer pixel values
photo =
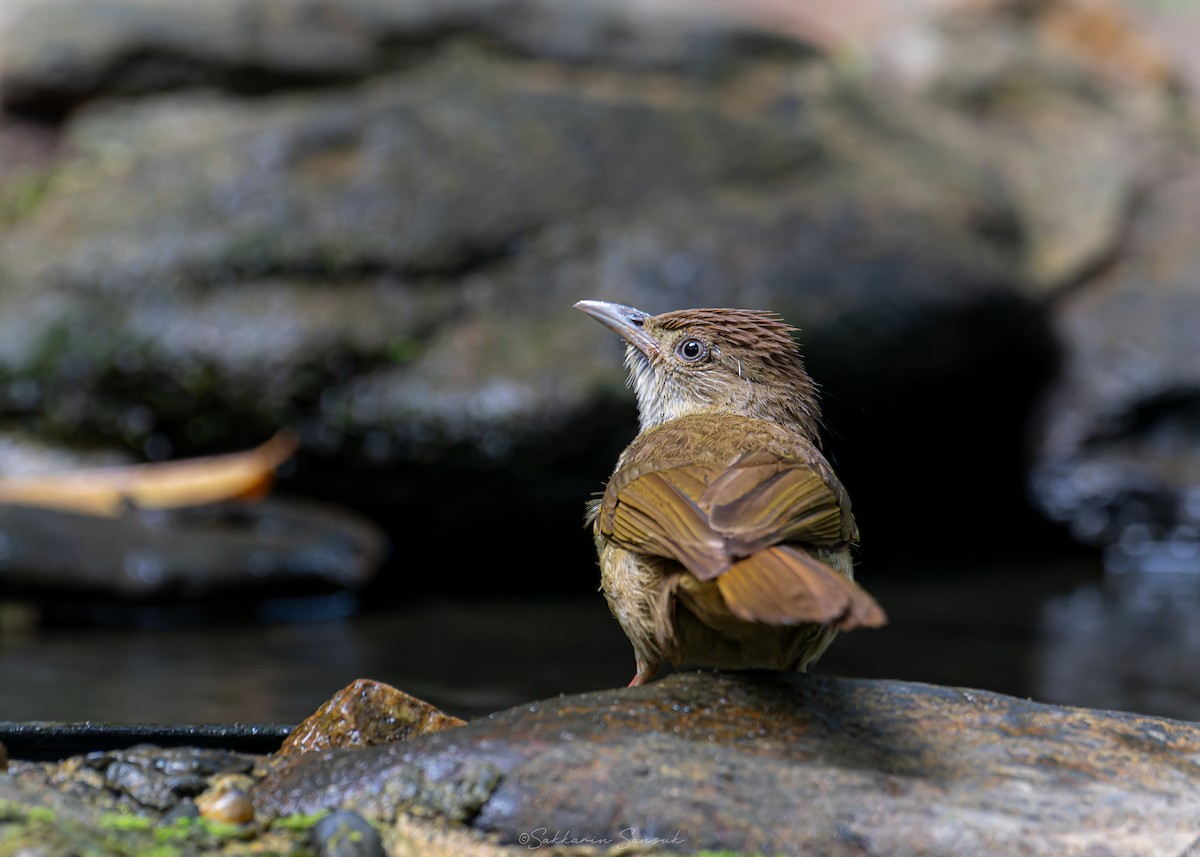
(781, 764)
(448, 262)
(1116, 456)
(366, 713)
(751, 762)
(274, 545)
(369, 221)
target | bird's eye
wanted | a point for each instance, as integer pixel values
(691, 350)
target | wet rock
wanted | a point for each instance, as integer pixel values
(371, 222)
(160, 777)
(40, 819)
(346, 834)
(1020, 83)
(182, 812)
(451, 270)
(363, 714)
(227, 800)
(781, 764)
(1116, 443)
(135, 46)
(196, 551)
(413, 209)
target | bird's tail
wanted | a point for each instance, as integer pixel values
(784, 585)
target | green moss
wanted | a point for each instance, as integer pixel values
(122, 832)
(21, 196)
(123, 822)
(41, 814)
(160, 850)
(177, 831)
(221, 829)
(403, 349)
(299, 821)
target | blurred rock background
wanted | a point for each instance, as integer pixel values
(367, 221)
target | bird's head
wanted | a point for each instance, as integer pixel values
(705, 361)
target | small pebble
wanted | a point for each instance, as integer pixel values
(228, 805)
(186, 808)
(346, 834)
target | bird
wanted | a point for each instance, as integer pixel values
(725, 539)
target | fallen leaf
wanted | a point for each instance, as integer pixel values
(108, 491)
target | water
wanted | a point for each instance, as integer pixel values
(1053, 631)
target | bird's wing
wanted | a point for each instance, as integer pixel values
(764, 499)
(707, 516)
(729, 525)
(656, 511)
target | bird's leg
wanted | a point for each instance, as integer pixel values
(645, 672)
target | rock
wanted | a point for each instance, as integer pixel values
(1116, 443)
(346, 834)
(1019, 85)
(56, 54)
(195, 551)
(40, 819)
(366, 713)
(159, 777)
(227, 801)
(780, 764)
(369, 221)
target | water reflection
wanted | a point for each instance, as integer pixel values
(1131, 640)
(1058, 632)
(467, 657)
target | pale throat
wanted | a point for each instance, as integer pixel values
(662, 396)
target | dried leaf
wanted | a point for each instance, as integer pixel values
(107, 491)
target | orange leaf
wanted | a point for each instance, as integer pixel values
(107, 491)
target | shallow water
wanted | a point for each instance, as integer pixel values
(1054, 632)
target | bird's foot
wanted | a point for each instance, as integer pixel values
(644, 673)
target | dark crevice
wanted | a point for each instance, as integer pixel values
(464, 259)
(1110, 257)
(148, 70)
(1166, 415)
(936, 467)
(512, 527)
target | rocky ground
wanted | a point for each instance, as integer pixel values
(729, 763)
(368, 222)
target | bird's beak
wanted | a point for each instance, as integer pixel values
(625, 320)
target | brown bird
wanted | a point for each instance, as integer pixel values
(723, 535)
